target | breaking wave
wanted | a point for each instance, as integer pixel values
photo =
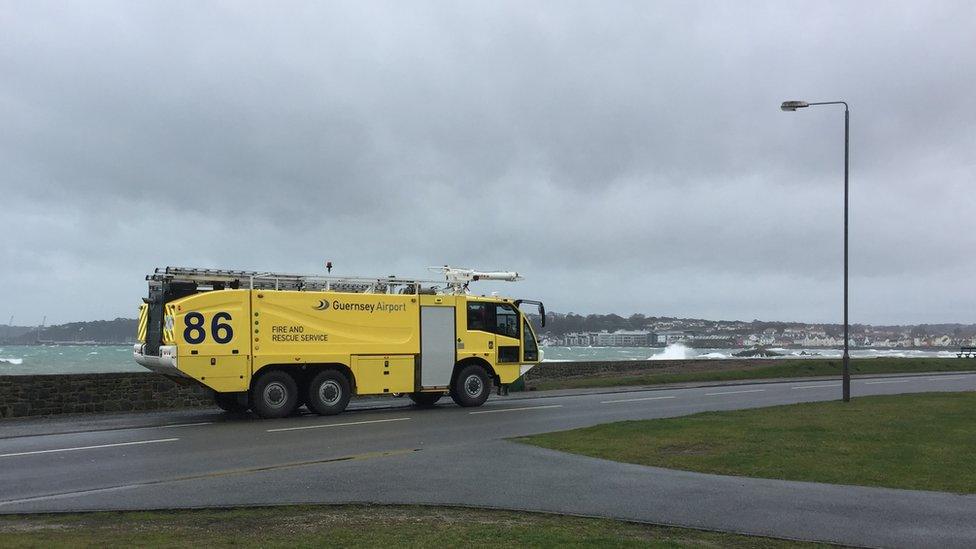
(675, 351)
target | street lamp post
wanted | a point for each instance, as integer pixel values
(791, 106)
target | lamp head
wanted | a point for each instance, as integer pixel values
(791, 106)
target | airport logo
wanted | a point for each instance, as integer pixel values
(379, 307)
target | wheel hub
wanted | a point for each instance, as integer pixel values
(473, 386)
(330, 393)
(276, 394)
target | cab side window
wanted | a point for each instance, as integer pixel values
(478, 316)
(497, 318)
(506, 321)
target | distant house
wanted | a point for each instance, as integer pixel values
(668, 337)
(628, 338)
(578, 339)
(716, 341)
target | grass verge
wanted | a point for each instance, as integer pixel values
(351, 526)
(922, 441)
(730, 370)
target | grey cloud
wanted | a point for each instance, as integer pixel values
(627, 156)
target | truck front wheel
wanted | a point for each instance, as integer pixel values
(471, 387)
(274, 395)
(328, 393)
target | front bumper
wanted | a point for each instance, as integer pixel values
(164, 364)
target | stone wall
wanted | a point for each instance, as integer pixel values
(557, 370)
(78, 393)
(84, 393)
(561, 370)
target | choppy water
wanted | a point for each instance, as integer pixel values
(84, 359)
(680, 352)
(66, 359)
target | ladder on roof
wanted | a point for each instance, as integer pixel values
(262, 280)
(456, 281)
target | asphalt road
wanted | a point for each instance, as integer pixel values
(388, 452)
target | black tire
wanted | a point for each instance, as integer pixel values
(471, 386)
(235, 403)
(425, 400)
(274, 395)
(328, 393)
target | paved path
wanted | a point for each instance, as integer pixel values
(450, 455)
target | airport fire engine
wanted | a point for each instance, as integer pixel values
(271, 342)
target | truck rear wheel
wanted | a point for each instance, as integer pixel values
(274, 395)
(471, 387)
(328, 393)
(425, 400)
(235, 403)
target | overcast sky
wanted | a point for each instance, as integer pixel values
(624, 157)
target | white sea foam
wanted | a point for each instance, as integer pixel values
(713, 355)
(12, 360)
(675, 351)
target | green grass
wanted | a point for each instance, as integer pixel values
(722, 370)
(351, 526)
(923, 441)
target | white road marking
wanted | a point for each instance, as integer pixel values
(944, 378)
(635, 399)
(517, 409)
(892, 381)
(70, 494)
(33, 452)
(337, 424)
(735, 392)
(184, 425)
(815, 386)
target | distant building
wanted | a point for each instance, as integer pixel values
(627, 338)
(580, 339)
(668, 337)
(619, 338)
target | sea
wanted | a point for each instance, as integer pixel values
(89, 359)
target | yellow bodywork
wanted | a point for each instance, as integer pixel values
(224, 338)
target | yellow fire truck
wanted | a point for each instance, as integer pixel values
(270, 342)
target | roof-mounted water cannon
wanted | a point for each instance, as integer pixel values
(460, 278)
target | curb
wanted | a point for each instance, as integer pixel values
(707, 384)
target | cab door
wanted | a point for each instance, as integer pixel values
(475, 337)
(492, 332)
(508, 344)
(530, 345)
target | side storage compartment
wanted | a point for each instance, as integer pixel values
(380, 374)
(212, 333)
(226, 373)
